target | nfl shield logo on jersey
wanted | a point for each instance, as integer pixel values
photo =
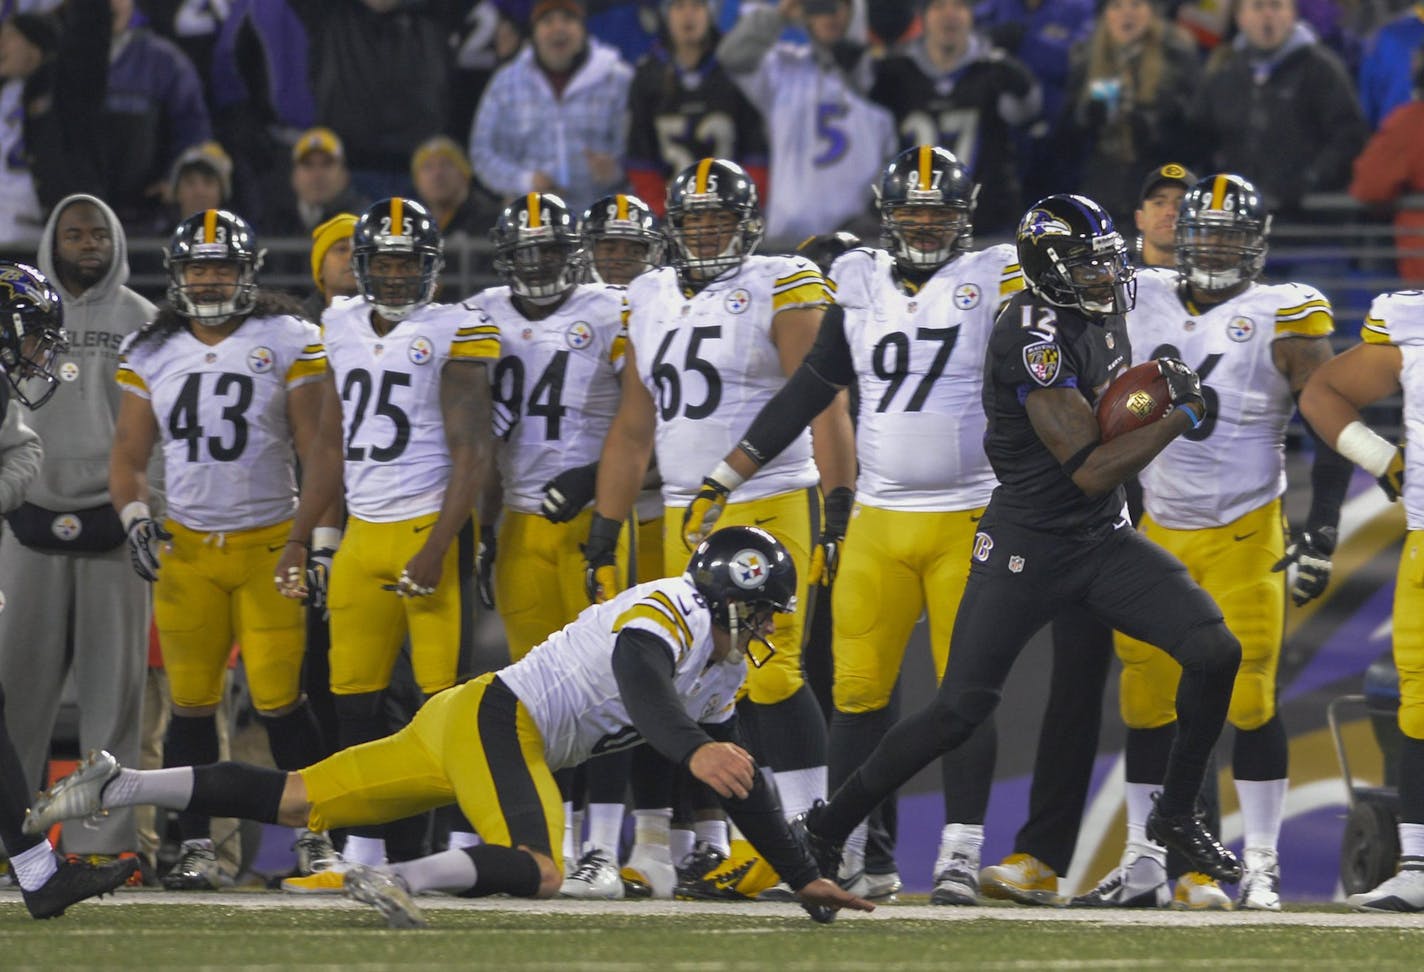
(1016, 564)
(966, 296)
(260, 360)
(738, 301)
(421, 351)
(1042, 360)
(748, 569)
(580, 335)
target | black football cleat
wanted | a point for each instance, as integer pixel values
(826, 853)
(1187, 836)
(76, 880)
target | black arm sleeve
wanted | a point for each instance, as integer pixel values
(643, 667)
(826, 369)
(1329, 481)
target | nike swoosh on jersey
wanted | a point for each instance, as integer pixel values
(975, 519)
(272, 549)
(1245, 536)
(422, 529)
(763, 520)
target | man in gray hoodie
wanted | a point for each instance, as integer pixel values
(64, 566)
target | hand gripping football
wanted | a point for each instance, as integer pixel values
(1137, 397)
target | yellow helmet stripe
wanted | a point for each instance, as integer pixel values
(531, 203)
(622, 206)
(926, 156)
(1218, 191)
(397, 211)
(703, 167)
(210, 225)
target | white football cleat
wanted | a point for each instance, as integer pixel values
(387, 893)
(1140, 882)
(596, 878)
(1261, 884)
(649, 873)
(1402, 893)
(956, 878)
(77, 795)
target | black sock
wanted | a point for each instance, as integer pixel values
(1411, 781)
(294, 738)
(14, 794)
(967, 774)
(793, 732)
(854, 736)
(1147, 752)
(653, 779)
(191, 741)
(237, 790)
(607, 776)
(1261, 754)
(360, 718)
(503, 870)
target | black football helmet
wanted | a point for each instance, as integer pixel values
(931, 179)
(403, 228)
(712, 186)
(629, 221)
(218, 236)
(31, 332)
(536, 247)
(1073, 256)
(745, 575)
(823, 250)
(1221, 233)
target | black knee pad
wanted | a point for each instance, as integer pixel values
(503, 870)
(1209, 647)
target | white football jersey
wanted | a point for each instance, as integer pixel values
(1235, 462)
(828, 142)
(567, 682)
(1398, 319)
(229, 462)
(393, 434)
(919, 365)
(558, 380)
(710, 365)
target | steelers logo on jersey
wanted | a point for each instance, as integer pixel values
(967, 296)
(1240, 329)
(737, 301)
(66, 526)
(579, 335)
(261, 360)
(68, 371)
(421, 351)
(748, 569)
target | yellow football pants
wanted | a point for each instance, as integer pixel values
(1409, 634)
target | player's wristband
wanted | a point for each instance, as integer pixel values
(1194, 413)
(726, 477)
(325, 538)
(1365, 448)
(137, 510)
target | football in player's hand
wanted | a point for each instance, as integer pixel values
(1137, 397)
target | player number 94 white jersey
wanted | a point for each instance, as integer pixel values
(567, 682)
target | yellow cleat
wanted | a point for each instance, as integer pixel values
(741, 877)
(1198, 892)
(330, 881)
(1022, 878)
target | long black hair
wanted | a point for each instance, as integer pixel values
(269, 303)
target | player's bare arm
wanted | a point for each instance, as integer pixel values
(314, 413)
(1340, 387)
(135, 432)
(1066, 424)
(628, 446)
(1298, 357)
(793, 331)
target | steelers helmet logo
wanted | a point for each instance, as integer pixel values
(748, 569)
(966, 296)
(421, 351)
(1240, 329)
(68, 371)
(66, 526)
(579, 335)
(261, 360)
(738, 301)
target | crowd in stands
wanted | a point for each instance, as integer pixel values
(290, 111)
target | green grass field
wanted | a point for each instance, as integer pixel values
(150, 930)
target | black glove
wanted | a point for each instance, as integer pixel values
(484, 567)
(1185, 388)
(569, 492)
(600, 575)
(319, 579)
(826, 559)
(1310, 552)
(1392, 482)
(146, 535)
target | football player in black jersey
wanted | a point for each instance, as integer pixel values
(1056, 531)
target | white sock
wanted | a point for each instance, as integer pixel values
(801, 788)
(35, 866)
(452, 871)
(171, 788)
(370, 851)
(855, 840)
(1411, 840)
(713, 832)
(965, 838)
(1139, 806)
(573, 832)
(605, 826)
(680, 842)
(460, 839)
(652, 828)
(1262, 807)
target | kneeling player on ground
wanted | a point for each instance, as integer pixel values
(661, 661)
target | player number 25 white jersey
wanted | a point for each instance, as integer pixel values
(227, 447)
(1398, 319)
(709, 362)
(1235, 461)
(567, 682)
(919, 365)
